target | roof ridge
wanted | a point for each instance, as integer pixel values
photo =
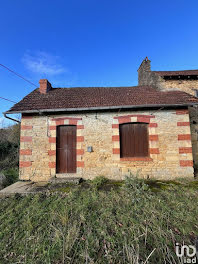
(177, 70)
(79, 87)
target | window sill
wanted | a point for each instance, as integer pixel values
(137, 159)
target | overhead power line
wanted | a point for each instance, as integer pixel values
(20, 76)
(7, 99)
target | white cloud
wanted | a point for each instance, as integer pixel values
(43, 63)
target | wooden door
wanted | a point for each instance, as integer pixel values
(66, 149)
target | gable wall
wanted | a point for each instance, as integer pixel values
(169, 144)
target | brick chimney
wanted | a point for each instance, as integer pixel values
(45, 86)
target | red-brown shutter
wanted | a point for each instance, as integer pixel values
(133, 140)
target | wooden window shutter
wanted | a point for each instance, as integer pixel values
(134, 140)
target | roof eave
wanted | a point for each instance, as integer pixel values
(98, 108)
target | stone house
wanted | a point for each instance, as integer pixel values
(186, 81)
(87, 132)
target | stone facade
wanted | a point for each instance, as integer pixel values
(188, 86)
(185, 84)
(170, 145)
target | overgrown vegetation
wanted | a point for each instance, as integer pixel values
(12, 176)
(99, 182)
(9, 148)
(133, 223)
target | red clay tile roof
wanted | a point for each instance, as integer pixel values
(177, 73)
(100, 97)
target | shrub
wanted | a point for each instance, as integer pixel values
(134, 185)
(9, 147)
(12, 176)
(99, 181)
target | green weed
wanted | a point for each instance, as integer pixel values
(130, 224)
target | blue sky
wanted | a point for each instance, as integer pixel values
(92, 42)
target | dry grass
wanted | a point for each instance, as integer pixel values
(130, 224)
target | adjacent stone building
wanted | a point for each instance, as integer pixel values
(87, 132)
(186, 81)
